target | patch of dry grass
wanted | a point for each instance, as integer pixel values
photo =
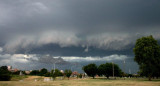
(80, 82)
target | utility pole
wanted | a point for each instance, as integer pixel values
(54, 67)
(124, 69)
(129, 71)
(113, 68)
(124, 65)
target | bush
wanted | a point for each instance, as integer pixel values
(43, 72)
(16, 73)
(47, 74)
(5, 75)
(56, 73)
(35, 72)
(80, 75)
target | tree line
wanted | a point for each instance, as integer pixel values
(6, 75)
(102, 70)
(54, 73)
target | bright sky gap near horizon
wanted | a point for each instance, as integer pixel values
(36, 33)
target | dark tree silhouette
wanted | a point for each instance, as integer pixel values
(90, 70)
(107, 70)
(5, 75)
(68, 73)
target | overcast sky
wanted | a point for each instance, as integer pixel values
(75, 30)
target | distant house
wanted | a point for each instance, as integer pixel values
(12, 70)
(61, 71)
(75, 74)
(27, 72)
(9, 67)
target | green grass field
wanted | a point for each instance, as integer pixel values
(30, 81)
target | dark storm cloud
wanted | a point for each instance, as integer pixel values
(79, 25)
(56, 50)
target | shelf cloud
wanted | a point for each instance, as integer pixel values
(102, 24)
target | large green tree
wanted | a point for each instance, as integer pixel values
(68, 73)
(147, 55)
(90, 70)
(43, 72)
(56, 73)
(107, 70)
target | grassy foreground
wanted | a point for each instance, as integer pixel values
(30, 81)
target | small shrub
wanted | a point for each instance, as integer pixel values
(80, 75)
